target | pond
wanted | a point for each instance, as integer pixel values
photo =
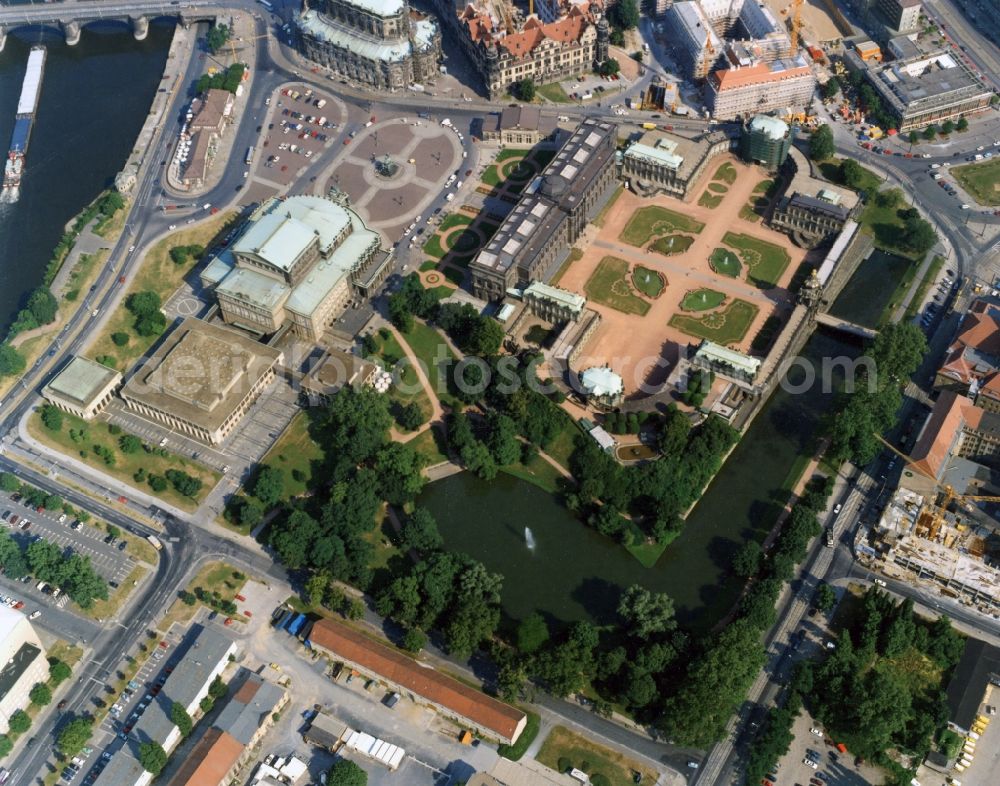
(570, 572)
(871, 288)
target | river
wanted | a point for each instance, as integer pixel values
(573, 573)
(94, 99)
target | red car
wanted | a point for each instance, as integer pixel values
(164, 644)
(229, 620)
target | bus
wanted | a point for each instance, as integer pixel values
(249, 158)
(155, 542)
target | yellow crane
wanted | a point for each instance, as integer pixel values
(504, 12)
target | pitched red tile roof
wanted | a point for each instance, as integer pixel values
(211, 759)
(383, 661)
(950, 413)
(734, 78)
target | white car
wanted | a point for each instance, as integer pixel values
(880, 582)
(34, 615)
(816, 731)
(836, 509)
(810, 763)
(172, 227)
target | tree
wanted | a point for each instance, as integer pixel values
(52, 417)
(129, 443)
(157, 483)
(646, 613)
(251, 513)
(746, 561)
(947, 127)
(410, 416)
(19, 722)
(420, 532)
(6, 745)
(43, 306)
(914, 137)
(269, 485)
(59, 672)
(930, 132)
(120, 338)
(143, 304)
(12, 362)
(831, 88)
(217, 689)
(609, 67)
(184, 483)
(217, 37)
(346, 773)
(152, 757)
(825, 597)
(525, 89)
(962, 124)
(181, 719)
(532, 633)
(414, 640)
(40, 694)
(74, 736)
(624, 14)
(852, 173)
(9, 482)
(821, 144)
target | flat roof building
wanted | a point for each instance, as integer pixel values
(22, 663)
(83, 387)
(202, 380)
(977, 670)
(519, 125)
(927, 89)
(448, 696)
(552, 213)
(337, 369)
(812, 209)
(759, 86)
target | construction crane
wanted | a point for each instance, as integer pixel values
(504, 12)
(796, 27)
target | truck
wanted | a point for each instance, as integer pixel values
(649, 126)
(154, 542)
(682, 111)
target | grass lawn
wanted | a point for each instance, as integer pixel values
(434, 353)
(648, 553)
(454, 220)
(726, 173)
(725, 327)
(767, 262)
(105, 609)
(581, 752)
(511, 152)
(159, 274)
(609, 286)
(655, 220)
(213, 577)
(433, 247)
(294, 453)
(671, 244)
(702, 299)
(83, 272)
(725, 263)
(126, 465)
(710, 200)
(430, 264)
(429, 444)
(650, 282)
(918, 297)
(982, 180)
(406, 386)
(870, 182)
(537, 471)
(518, 749)
(717, 188)
(491, 176)
(553, 92)
(561, 446)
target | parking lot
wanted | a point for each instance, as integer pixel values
(111, 561)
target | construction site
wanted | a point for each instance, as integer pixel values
(939, 538)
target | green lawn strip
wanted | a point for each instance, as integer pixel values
(982, 180)
(766, 261)
(718, 188)
(710, 200)
(464, 242)
(727, 173)
(294, 454)
(763, 186)
(561, 447)
(702, 299)
(406, 387)
(564, 747)
(609, 286)
(648, 281)
(518, 749)
(105, 609)
(434, 353)
(727, 326)
(126, 464)
(830, 169)
(454, 220)
(537, 472)
(671, 244)
(427, 266)
(885, 225)
(656, 220)
(553, 92)
(433, 247)
(511, 152)
(725, 263)
(930, 275)
(648, 552)
(901, 290)
(491, 175)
